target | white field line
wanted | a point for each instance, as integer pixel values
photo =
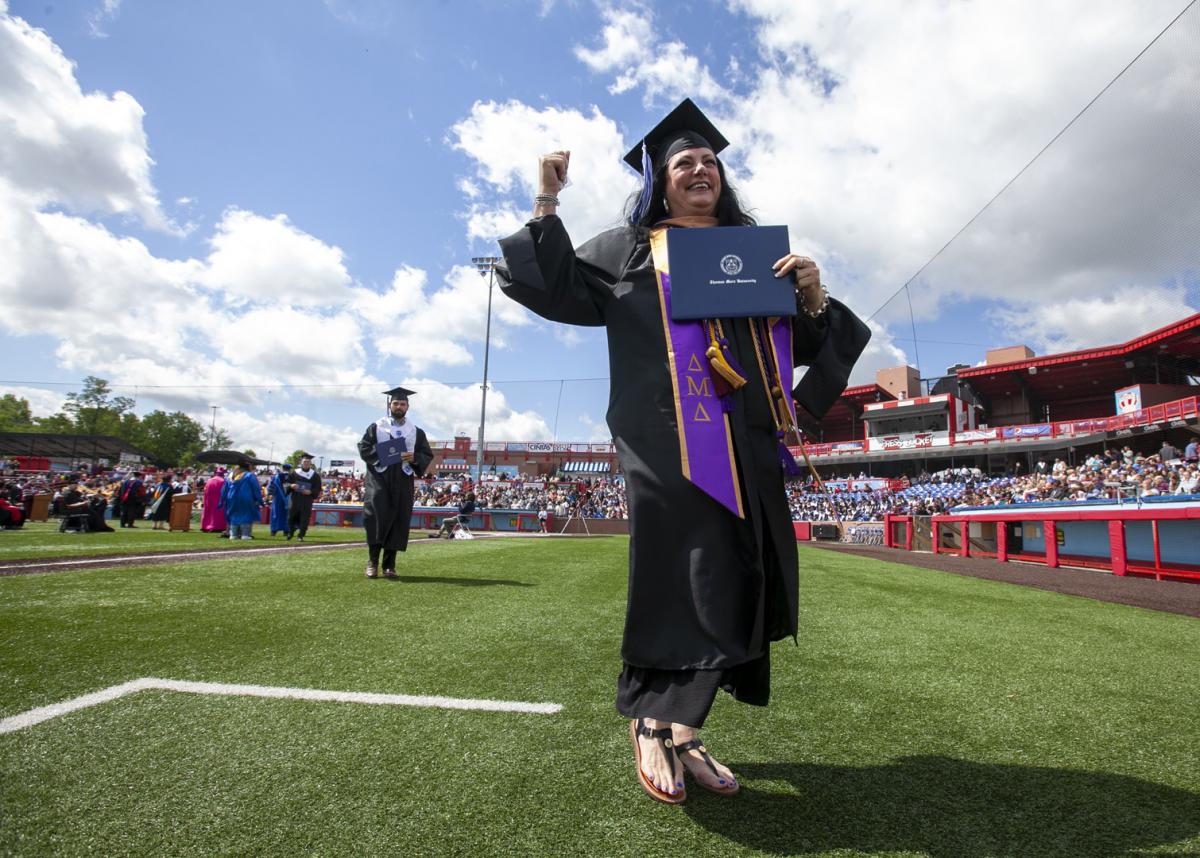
(148, 683)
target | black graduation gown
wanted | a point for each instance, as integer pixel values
(388, 496)
(707, 590)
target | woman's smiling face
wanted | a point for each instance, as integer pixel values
(693, 183)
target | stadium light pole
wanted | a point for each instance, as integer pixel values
(212, 430)
(486, 266)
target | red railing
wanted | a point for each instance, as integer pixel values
(898, 533)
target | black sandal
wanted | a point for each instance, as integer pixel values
(698, 746)
(663, 734)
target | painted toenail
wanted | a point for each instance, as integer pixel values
(680, 785)
(721, 781)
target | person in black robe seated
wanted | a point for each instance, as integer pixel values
(699, 412)
(83, 512)
(396, 451)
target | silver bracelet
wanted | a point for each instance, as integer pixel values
(545, 200)
(820, 310)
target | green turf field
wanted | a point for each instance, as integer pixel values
(42, 541)
(921, 714)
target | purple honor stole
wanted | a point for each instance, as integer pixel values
(705, 437)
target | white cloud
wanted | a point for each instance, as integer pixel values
(435, 329)
(275, 434)
(102, 14)
(597, 431)
(505, 140)
(877, 135)
(1089, 320)
(259, 258)
(87, 152)
(444, 411)
(664, 70)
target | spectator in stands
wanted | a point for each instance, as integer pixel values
(1191, 453)
(1189, 480)
(1168, 452)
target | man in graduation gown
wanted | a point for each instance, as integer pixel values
(304, 487)
(388, 488)
(277, 491)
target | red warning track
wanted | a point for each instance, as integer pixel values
(1176, 597)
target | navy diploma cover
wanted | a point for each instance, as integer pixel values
(725, 272)
(391, 451)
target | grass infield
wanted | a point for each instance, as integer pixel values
(921, 714)
(42, 541)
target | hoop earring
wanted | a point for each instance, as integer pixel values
(666, 206)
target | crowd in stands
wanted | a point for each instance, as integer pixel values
(1108, 475)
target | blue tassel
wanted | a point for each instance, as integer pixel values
(643, 203)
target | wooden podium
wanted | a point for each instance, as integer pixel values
(40, 509)
(181, 512)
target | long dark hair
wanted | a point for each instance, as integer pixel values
(730, 211)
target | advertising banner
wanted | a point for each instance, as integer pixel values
(1035, 430)
(1128, 399)
(915, 440)
(547, 447)
(975, 435)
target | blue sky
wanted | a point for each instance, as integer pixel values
(279, 200)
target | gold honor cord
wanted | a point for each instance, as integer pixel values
(715, 333)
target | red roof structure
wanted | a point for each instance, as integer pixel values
(844, 420)
(1080, 384)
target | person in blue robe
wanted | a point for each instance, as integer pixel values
(277, 490)
(243, 500)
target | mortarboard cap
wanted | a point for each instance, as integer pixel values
(399, 393)
(304, 455)
(685, 127)
(285, 466)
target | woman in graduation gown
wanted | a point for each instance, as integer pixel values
(712, 569)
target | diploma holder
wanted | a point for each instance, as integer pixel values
(391, 451)
(725, 272)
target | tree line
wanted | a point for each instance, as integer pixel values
(170, 438)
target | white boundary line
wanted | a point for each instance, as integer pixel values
(149, 683)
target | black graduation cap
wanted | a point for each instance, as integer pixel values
(304, 455)
(685, 127)
(399, 393)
